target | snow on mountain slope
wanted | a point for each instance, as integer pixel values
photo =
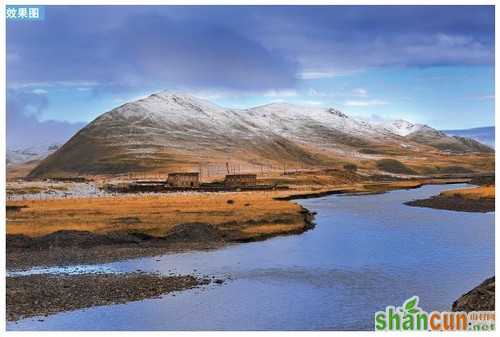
(174, 129)
(282, 116)
(402, 127)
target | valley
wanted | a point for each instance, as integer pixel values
(172, 174)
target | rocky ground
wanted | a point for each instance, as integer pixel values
(41, 295)
(481, 298)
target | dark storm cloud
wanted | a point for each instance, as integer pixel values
(127, 47)
(354, 37)
(241, 47)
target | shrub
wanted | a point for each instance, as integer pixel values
(394, 166)
(351, 167)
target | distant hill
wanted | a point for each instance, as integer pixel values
(169, 130)
(30, 153)
(485, 135)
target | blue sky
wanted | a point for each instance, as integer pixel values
(427, 64)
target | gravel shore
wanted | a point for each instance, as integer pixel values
(41, 295)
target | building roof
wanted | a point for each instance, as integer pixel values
(184, 174)
(250, 175)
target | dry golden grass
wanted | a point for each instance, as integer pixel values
(272, 229)
(409, 184)
(152, 214)
(250, 213)
(475, 193)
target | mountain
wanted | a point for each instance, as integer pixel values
(403, 128)
(30, 154)
(485, 135)
(177, 131)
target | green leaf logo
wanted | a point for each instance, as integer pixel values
(410, 305)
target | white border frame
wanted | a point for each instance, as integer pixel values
(207, 2)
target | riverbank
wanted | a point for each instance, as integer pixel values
(478, 199)
(81, 247)
(96, 230)
(287, 277)
(42, 295)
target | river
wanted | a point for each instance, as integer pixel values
(366, 252)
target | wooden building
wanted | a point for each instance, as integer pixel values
(237, 180)
(183, 179)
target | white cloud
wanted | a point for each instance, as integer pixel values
(280, 93)
(314, 75)
(316, 93)
(52, 84)
(39, 91)
(310, 102)
(486, 97)
(210, 94)
(360, 92)
(372, 102)
(84, 89)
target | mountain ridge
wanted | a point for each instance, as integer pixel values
(485, 135)
(168, 129)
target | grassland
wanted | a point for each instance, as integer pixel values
(477, 199)
(108, 228)
(154, 214)
(85, 228)
(475, 193)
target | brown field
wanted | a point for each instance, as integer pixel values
(125, 226)
(477, 199)
(249, 213)
(156, 214)
(475, 193)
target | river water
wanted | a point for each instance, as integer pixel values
(365, 253)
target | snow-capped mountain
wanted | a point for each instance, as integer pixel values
(31, 153)
(402, 127)
(171, 130)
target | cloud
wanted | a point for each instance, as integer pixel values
(486, 97)
(307, 102)
(51, 84)
(24, 127)
(314, 75)
(360, 103)
(280, 93)
(317, 93)
(145, 47)
(39, 91)
(227, 52)
(378, 36)
(360, 92)
(239, 47)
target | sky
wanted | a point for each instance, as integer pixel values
(426, 64)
